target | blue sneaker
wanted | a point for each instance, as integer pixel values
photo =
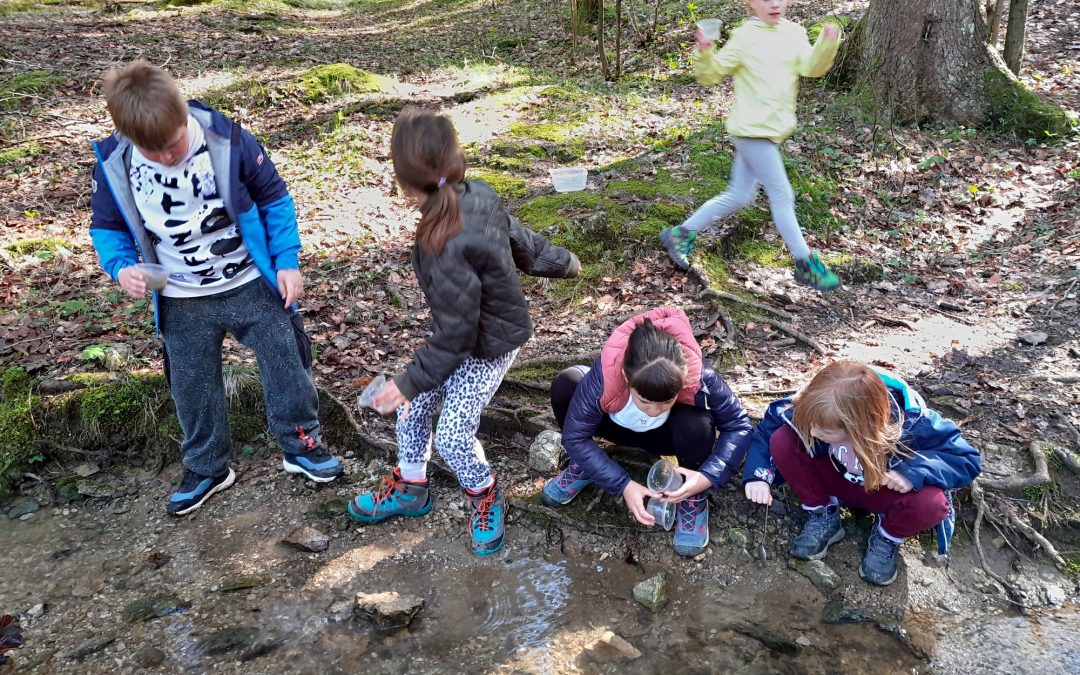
(316, 464)
(679, 244)
(691, 526)
(879, 565)
(822, 530)
(561, 490)
(487, 523)
(394, 497)
(195, 489)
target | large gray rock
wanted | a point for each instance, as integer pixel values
(546, 451)
(390, 609)
(652, 593)
(307, 538)
(23, 508)
(609, 648)
(819, 574)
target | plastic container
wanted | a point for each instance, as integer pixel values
(569, 180)
(663, 477)
(663, 511)
(155, 276)
(366, 399)
(710, 28)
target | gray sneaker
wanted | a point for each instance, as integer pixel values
(822, 530)
(879, 565)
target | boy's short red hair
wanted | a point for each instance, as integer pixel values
(145, 104)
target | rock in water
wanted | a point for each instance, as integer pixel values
(545, 451)
(307, 538)
(231, 639)
(389, 609)
(609, 647)
(153, 607)
(652, 593)
(23, 508)
(149, 657)
(819, 574)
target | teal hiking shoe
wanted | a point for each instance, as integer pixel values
(394, 497)
(691, 526)
(487, 524)
(561, 490)
(812, 272)
(679, 244)
(879, 565)
(822, 529)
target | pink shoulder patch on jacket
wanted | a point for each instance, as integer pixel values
(671, 320)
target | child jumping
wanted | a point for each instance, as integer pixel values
(766, 56)
(466, 258)
(181, 185)
(861, 437)
(650, 389)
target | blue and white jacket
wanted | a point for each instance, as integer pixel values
(938, 455)
(255, 198)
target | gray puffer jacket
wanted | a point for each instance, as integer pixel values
(472, 288)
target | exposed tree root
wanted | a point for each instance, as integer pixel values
(1067, 457)
(802, 337)
(1041, 475)
(1035, 537)
(699, 275)
(980, 501)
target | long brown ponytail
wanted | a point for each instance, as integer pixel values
(428, 160)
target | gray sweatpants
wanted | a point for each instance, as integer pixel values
(193, 330)
(757, 163)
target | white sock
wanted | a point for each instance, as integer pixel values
(483, 486)
(416, 472)
(833, 501)
(895, 540)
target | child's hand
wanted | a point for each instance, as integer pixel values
(759, 492)
(704, 43)
(694, 483)
(132, 281)
(291, 286)
(390, 399)
(830, 32)
(894, 480)
(635, 495)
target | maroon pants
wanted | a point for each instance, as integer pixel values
(814, 480)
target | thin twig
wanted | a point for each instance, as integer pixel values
(889, 321)
(793, 332)
(1037, 538)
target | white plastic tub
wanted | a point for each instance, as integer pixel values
(570, 179)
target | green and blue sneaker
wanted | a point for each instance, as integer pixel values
(812, 272)
(395, 496)
(487, 524)
(679, 243)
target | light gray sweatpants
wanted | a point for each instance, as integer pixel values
(757, 163)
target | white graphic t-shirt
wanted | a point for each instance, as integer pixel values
(847, 462)
(632, 418)
(184, 214)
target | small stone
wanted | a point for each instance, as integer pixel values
(819, 574)
(118, 355)
(837, 612)
(737, 538)
(546, 451)
(342, 610)
(87, 469)
(389, 609)
(241, 583)
(26, 516)
(36, 611)
(23, 508)
(307, 538)
(231, 639)
(91, 646)
(1034, 339)
(742, 555)
(609, 648)
(153, 607)
(652, 593)
(149, 657)
(803, 641)
(90, 488)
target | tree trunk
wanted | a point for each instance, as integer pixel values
(618, 39)
(605, 67)
(589, 10)
(993, 20)
(1014, 35)
(929, 61)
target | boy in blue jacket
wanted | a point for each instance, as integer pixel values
(862, 437)
(180, 185)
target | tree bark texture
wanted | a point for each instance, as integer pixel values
(993, 20)
(926, 59)
(605, 67)
(1014, 35)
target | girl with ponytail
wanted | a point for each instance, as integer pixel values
(467, 257)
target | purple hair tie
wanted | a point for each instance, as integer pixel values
(442, 181)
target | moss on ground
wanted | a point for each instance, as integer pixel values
(549, 132)
(545, 372)
(508, 187)
(764, 253)
(327, 81)
(813, 31)
(19, 440)
(1014, 109)
(131, 405)
(18, 154)
(15, 89)
(32, 246)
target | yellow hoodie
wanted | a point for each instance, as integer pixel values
(766, 63)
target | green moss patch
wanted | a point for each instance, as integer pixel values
(813, 31)
(764, 253)
(17, 88)
(549, 132)
(335, 79)
(35, 246)
(508, 187)
(19, 440)
(19, 154)
(1014, 109)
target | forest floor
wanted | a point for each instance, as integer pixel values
(960, 250)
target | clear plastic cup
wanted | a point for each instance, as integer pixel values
(710, 28)
(663, 477)
(366, 399)
(155, 276)
(570, 179)
(663, 511)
